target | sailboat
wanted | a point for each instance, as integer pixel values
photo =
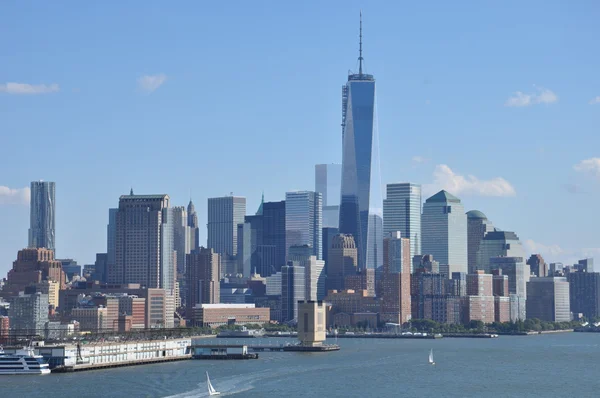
(211, 389)
(431, 361)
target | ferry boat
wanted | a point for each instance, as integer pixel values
(23, 362)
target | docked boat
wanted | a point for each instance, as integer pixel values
(23, 362)
(211, 389)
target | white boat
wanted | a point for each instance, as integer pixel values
(23, 362)
(431, 361)
(211, 389)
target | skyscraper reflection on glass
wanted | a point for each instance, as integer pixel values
(361, 205)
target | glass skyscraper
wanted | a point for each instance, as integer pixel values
(224, 215)
(361, 205)
(304, 221)
(402, 212)
(328, 178)
(42, 215)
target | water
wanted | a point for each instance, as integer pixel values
(558, 365)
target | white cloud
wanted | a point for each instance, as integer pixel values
(540, 96)
(150, 83)
(24, 88)
(12, 196)
(589, 166)
(456, 184)
(595, 100)
(555, 253)
(419, 159)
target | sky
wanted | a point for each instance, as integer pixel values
(497, 102)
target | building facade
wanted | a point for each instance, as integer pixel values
(274, 233)
(584, 290)
(537, 265)
(203, 277)
(518, 275)
(304, 221)
(328, 178)
(42, 216)
(224, 215)
(498, 244)
(33, 266)
(548, 299)
(28, 314)
(402, 212)
(293, 289)
(477, 228)
(396, 300)
(342, 261)
(215, 315)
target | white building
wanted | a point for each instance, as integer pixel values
(402, 212)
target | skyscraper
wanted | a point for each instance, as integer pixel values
(328, 178)
(499, 244)
(274, 232)
(181, 237)
(192, 222)
(444, 231)
(361, 205)
(396, 301)
(224, 215)
(293, 289)
(548, 299)
(111, 240)
(202, 277)
(584, 290)
(477, 227)
(42, 215)
(537, 265)
(341, 261)
(314, 272)
(402, 212)
(304, 221)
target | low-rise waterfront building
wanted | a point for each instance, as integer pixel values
(215, 315)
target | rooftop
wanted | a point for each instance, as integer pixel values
(224, 306)
(476, 214)
(443, 196)
(501, 235)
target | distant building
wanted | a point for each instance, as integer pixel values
(304, 221)
(538, 266)
(548, 299)
(396, 301)
(584, 290)
(215, 315)
(477, 228)
(202, 277)
(273, 283)
(224, 215)
(342, 261)
(327, 239)
(314, 272)
(192, 223)
(361, 280)
(100, 267)
(500, 283)
(346, 303)
(585, 265)
(33, 266)
(479, 302)
(328, 178)
(402, 212)
(274, 233)
(444, 231)
(293, 289)
(71, 268)
(135, 307)
(518, 275)
(42, 217)
(91, 319)
(430, 300)
(181, 237)
(28, 314)
(312, 323)
(4, 329)
(498, 244)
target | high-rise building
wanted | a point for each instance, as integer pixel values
(42, 215)
(202, 277)
(584, 288)
(327, 238)
(402, 212)
(71, 268)
(444, 231)
(111, 239)
(396, 301)
(192, 223)
(479, 302)
(477, 228)
(314, 271)
(274, 233)
(181, 237)
(224, 215)
(361, 205)
(341, 261)
(253, 254)
(328, 178)
(537, 265)
(518, 275)
(498, 244)
(585, 265)
(304, 221)
(548, 299)
(28, 314)
(33, 266)
(293, 289)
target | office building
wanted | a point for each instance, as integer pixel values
(181, 237)
(328, 178)
(135, 307)
(71, 268)
(518, 275)
(477, 228)
(274, 233)
(293, 289)
(548, 299)
(479, 304)
(444, 231)
(91, 319)
(42, 222)
(538, 266)
(304, 221)
(500, 283)
(224, 215)
(584, 290)
(361, 206)
(192, 222)
(100, 268)
(314, 271)
(342, 261)
(585, 265)
(202, 277)
(396, 300)
(33, 266)
(361, 280)
(498, 244)
(273, 284)
(111, 241)
(327, 239)
(215, 315)
(28, 314)
(402, 212)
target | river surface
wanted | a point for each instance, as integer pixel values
(554, 365)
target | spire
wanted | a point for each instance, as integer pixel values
(259, 212)
(131, 192)
(360, 57)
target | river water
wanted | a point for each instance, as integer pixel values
(555, 365)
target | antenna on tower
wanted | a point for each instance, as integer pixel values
(360, 57)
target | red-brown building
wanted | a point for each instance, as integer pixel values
(33, 266)
(4, 329)
(395, 284)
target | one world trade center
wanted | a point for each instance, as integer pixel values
(361, 205)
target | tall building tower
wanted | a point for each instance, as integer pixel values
(42, 215)
(328, 178)
(304, 221)
(537, 265)
(477, 227)
(192, 223)
(111, 240)
(499, 244)
(402, 212)
(314, 272)
(584, 290)
(444, 231)
(202, 277)
(341, 262)
(396, 300)
(548, 299)
(293, 289)
(361, 205)
(224, 215)
(181, 237)
(274, 232)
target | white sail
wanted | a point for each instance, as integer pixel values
(211, 389)
(431, 357)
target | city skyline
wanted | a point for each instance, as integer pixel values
(556, 166)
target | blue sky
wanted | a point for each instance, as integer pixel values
(499, 102)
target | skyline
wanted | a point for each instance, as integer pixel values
(539, 161)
